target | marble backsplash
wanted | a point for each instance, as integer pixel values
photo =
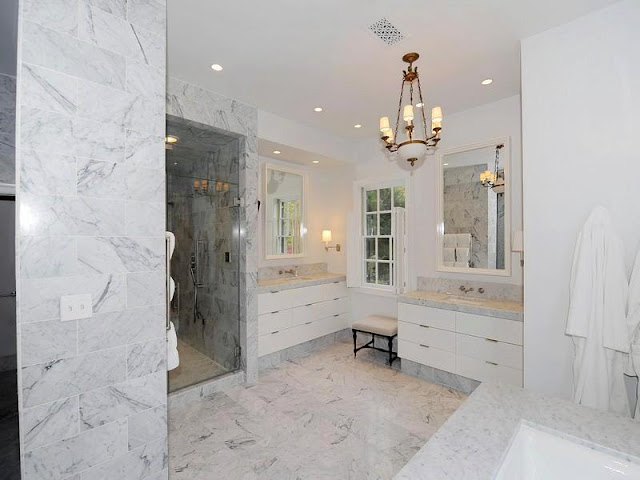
(495, 291)
(268, 273)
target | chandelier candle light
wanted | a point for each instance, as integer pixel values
(417, 144)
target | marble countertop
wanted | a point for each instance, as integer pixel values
(287, 283)
(480, 306)
(471, 444)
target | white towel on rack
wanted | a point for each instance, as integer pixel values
(449, 240)
(449, 254)
(463, 240)
(462, 254)
(173, 358)
(172, 243)
(173, 289)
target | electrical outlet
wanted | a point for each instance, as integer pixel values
(75, 307)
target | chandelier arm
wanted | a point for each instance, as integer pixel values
(424, 118)
(395, 138)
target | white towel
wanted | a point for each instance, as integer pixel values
(462, 265)
(597, 318)
(463, 240)
(173, 289)
(173, 359)
(449, 240)
(462, 255)
(172, 243)
(449, 254)
(633, 324)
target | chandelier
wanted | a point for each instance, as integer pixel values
(494, 180)
(417, 140)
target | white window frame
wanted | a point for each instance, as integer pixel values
(360, 202)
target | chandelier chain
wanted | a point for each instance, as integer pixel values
(424, 118)
(395, 135)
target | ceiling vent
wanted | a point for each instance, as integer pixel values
(385, 31)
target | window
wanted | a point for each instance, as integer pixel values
(378, 234)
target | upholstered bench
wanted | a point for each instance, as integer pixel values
(376, 326)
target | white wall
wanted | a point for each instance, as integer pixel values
(581, 98)
(482, 123)
(328, 199)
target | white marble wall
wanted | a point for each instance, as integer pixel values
(91, 201)
(231, 117)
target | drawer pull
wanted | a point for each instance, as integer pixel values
(277, 331)
(337, 315)
(491, 363)
(308, 304)
(275, 291)
(425, 346)
(491, 340)
(336, 282)
(425, 326)
(308, 323)
(275, 311)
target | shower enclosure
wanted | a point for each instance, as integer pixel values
(202, 212)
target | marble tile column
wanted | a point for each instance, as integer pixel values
(231, 117)
(91, 200)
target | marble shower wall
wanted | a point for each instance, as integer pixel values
(91, 199)
(205, 221)
(232, 118)
(466, 210)
(7, 129)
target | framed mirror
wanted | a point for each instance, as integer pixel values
(474, 212)
(285, 203)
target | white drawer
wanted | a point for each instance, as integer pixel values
(275, 301)
(485, 371)
(316, 311)
(433, 317)
(500, 329)
(273, 342)
(433, 337)
(483, 349)
(272, 322)
(433, 357)
(336, 290)
(306, 295)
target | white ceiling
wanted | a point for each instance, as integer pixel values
(288, 56)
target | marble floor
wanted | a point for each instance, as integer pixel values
(195, 367)
(324, 415)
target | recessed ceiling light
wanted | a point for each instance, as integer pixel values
(357, 125)
(419, 105)
(317, 109)
(487, 81)
(277, 152)
(216, 67)
(316, 161)
(171, 139)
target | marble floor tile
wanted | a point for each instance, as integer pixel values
(321, 415)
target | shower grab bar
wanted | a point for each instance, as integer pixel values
(167, 251)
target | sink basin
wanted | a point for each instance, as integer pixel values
(537, 454)
(465, 300)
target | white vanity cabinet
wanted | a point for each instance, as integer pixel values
(474, 346)
(290, 317)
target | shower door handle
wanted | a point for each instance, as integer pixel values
(7, 295)
(167, 245)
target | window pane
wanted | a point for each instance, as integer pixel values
(385, 224)
(372, 224)
(371, 272)
(385, 199)
(371, 248)
(398, 196)
(383, 249)
(372, 200)
(384, 275)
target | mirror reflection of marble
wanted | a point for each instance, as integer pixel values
(473, 224)
(285, 223)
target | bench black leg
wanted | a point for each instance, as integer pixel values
(355, 350)
(390, 350)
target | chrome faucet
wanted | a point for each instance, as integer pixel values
(291, 271)
(464, 289)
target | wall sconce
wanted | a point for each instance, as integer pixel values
(326, 238)
(517, 245)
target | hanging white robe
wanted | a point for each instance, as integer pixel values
(633, 324)
(597, 316)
